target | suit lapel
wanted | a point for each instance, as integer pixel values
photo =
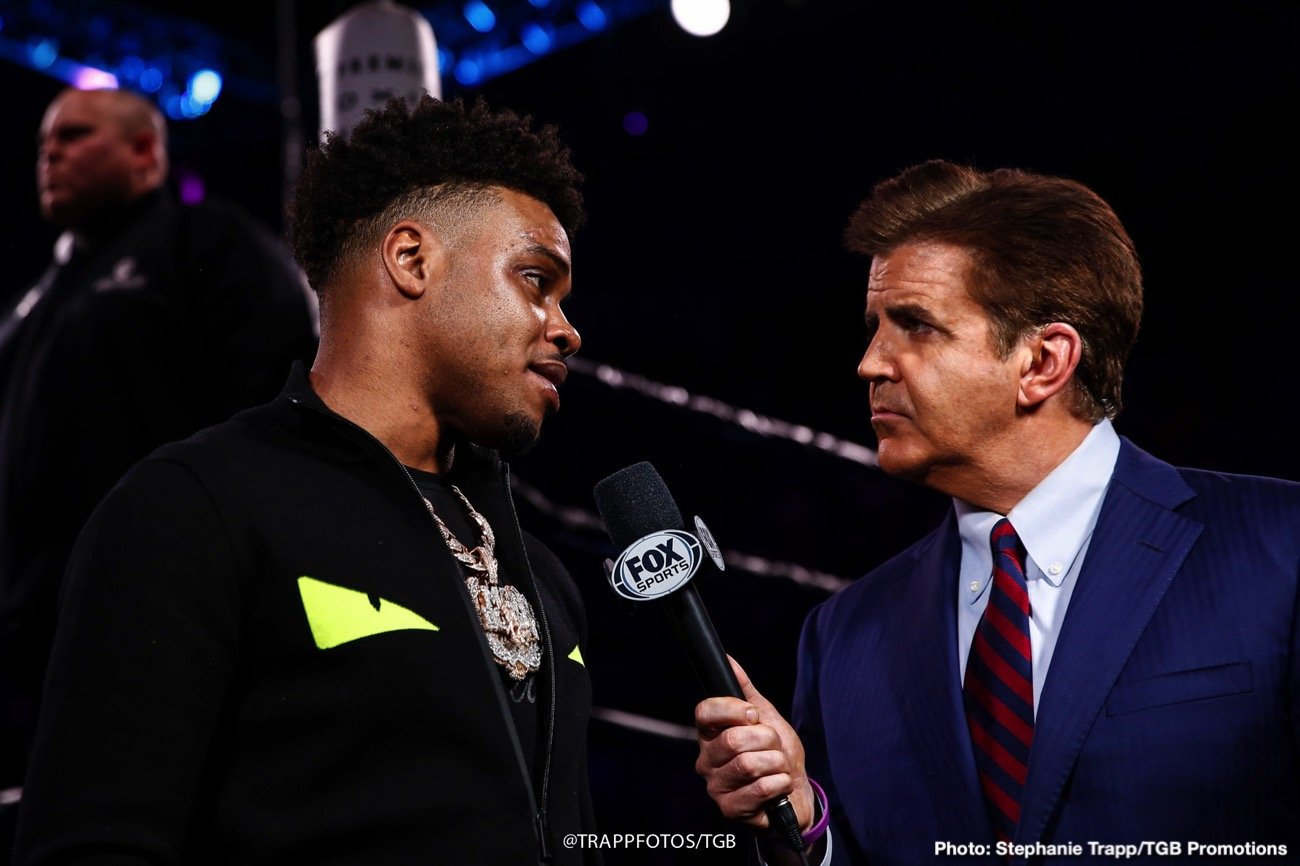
(1137, 548)
(935, 710)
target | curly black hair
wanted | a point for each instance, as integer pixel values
(398, 152)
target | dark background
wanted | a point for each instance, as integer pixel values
(712, 261)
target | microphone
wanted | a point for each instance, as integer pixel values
(659, 559)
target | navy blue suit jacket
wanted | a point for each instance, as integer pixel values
(1169, 713)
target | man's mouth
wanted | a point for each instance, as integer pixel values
(554, 372)
(884, 410)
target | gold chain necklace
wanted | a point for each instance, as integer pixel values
(503, 611)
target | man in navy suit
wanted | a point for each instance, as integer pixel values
(1096, 656)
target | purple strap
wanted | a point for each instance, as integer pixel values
(818, 829)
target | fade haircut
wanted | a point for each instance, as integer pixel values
(402, 161)
(1043, 249)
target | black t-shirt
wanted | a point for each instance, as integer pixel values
(520, 694)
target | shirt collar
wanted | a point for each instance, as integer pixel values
(1056, 518)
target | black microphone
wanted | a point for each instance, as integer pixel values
(659, 557)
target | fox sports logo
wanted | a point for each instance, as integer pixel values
(656, 565)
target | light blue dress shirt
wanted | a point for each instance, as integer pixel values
(1054, 522)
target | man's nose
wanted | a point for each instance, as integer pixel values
(47, 151)
(876, 363)
(561, 332)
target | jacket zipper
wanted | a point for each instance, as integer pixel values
(544, 830)
(541, 828)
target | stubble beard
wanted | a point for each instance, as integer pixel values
(519, 434)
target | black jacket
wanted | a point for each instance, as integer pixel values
(189, 715)
(164, 320)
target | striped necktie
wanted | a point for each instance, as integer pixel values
(999, 684)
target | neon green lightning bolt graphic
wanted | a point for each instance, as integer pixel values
(338, 615)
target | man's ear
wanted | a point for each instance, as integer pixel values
(145, 149)
(1054, 353)
(413, 256)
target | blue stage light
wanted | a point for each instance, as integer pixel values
(130, 68)
(44, 53)
(205, 86)
(468, 72)
(479, 16)
(151, 80)
(191, 107)
(591, 15)
(536, 37)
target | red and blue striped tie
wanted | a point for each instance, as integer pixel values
(1000, 685)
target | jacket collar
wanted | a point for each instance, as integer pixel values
(469, 462)
(104, 228)
(298, 385)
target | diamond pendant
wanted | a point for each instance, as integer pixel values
(509, 625)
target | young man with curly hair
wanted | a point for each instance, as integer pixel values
(316, 633)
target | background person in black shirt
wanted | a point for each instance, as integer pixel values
(154, 320)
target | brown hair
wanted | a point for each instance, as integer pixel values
(1044, 249)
